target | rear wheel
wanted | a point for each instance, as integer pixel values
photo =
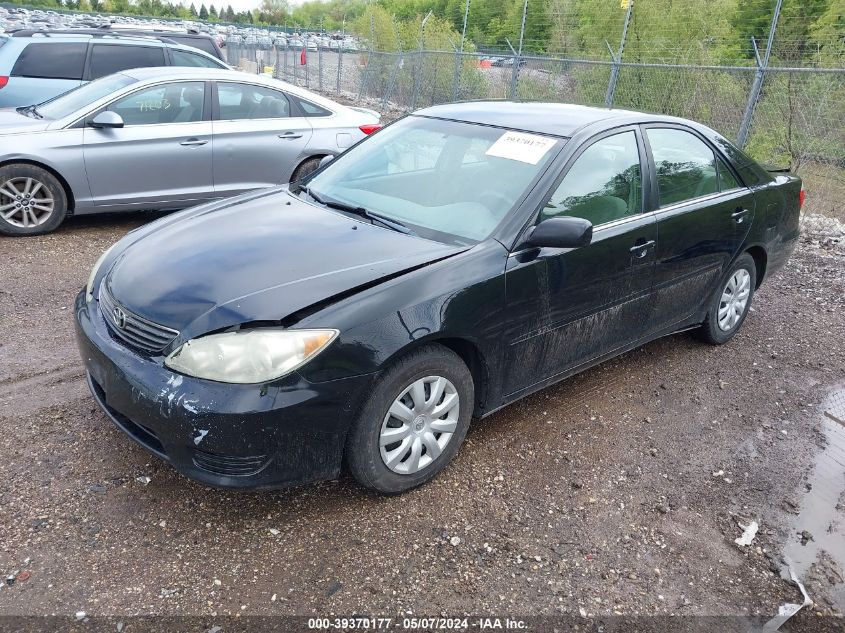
(306, 168)
(731, 303)
(414, 421)
(32, 200)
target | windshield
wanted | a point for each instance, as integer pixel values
(69, 102)
(445, 180)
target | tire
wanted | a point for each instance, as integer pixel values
(305, 168)
(17, 181)
(426, 434)
(726, 316)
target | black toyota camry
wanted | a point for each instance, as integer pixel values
(454, 262)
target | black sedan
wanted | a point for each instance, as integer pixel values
(462, 258)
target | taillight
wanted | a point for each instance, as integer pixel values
(3, 80)
(801, 197)
(369, 129)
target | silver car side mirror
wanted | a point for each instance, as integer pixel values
(107, 119)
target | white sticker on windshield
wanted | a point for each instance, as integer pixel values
(526, 148)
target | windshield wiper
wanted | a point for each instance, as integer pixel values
(372, 216)
(29, 110)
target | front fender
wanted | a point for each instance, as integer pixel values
(461, 297)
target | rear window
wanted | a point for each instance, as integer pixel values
(110, 58)
(51, 60)
(185, 58)
(204, 44)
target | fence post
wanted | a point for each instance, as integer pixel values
(418, 74)
(617, 59)
(759, 76)
(320, 61)
(339, 63)
(518, 56)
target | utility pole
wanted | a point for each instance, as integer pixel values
(759, 76)
(617, 59)
(518, 55)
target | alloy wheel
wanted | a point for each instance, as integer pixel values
(734, 300)
(25, 202)
(419, 424)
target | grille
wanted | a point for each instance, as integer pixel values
(135, 330)
(229, 465)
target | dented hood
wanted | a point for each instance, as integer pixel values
(259, 260)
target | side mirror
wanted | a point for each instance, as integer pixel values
(560, 232)
(325, 160)
(106, 119)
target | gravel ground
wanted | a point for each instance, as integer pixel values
(620, 491)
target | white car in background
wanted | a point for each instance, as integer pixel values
(163, 138)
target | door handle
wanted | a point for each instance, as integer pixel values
(290, 135)
(193, 142)
(641, 250)
(739, 215)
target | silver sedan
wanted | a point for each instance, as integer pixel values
(163, 138)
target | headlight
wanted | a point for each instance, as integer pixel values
(249, 356)
(89, 287)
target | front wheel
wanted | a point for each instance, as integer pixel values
(414, 421)
(731, 303)
(32, 200)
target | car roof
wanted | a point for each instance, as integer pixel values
(107, 37)
(558, 119)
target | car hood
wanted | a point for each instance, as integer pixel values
(258, 260)
(11, 122)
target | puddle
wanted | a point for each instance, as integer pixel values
(819, 557)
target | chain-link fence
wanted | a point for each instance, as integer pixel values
(786, 117)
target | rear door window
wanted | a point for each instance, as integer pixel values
(685, 165)
(727, 181)
(247, 101)
(112, 58)
(51, 60)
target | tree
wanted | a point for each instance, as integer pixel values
(203, 15)
(193, 10)
(274, 11)
(230, 14)
(212, 13)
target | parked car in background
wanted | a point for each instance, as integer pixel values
(163, 138)
(36, 66)
(173, 34)
(455, 262)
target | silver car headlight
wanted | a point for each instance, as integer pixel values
(249, 356)
(89, 287)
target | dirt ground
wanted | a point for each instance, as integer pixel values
(620, 491)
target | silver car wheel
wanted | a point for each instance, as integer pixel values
(25, 202)
(419, 425)
(734, 299)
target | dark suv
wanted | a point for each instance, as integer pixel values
(38, 65)
(187, 37)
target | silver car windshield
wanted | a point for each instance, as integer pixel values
(445, 180)
(68, 103)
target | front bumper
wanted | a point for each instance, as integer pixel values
(243, 436)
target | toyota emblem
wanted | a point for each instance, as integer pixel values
(119, 317)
